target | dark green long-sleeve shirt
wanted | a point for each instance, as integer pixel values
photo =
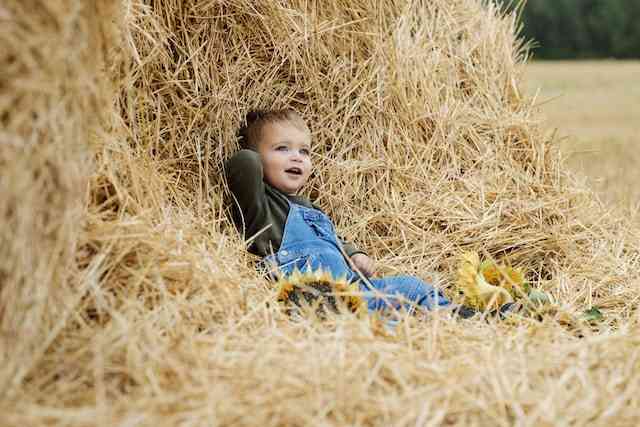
(260, 208)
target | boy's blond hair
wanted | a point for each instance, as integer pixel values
(251, 133)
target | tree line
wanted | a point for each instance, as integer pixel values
(581, 28)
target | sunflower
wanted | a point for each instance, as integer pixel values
(321, 290)
(478, 292)
(506, 277)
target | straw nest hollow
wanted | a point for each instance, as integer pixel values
(128, 296)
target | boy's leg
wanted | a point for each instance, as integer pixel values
(410, 290)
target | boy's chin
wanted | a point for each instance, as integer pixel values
(292, 191)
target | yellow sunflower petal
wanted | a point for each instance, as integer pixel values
(491, 297)
(490, 272)
(513, 281)
(478, 293)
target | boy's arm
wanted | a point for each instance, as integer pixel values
(350, 248)
(358, 259)
(245, 179)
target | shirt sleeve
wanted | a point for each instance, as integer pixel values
(245, 179)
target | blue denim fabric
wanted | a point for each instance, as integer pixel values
(310, 241)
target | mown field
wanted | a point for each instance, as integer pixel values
(595, 107)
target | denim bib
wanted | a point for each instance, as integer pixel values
(309, 242)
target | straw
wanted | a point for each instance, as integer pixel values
(128, 297)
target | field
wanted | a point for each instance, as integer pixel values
(595, 107)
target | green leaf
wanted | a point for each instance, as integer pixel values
(592, 315)
(538, 297)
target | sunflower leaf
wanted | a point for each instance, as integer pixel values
(592, 315)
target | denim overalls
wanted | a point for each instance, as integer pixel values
(309, 241)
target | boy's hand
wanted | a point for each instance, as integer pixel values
(365, 264)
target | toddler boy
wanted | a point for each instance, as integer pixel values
(290, 232)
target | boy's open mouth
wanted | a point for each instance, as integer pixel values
(295, 171)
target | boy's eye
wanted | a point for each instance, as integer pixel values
(281, 148)
(305, 151)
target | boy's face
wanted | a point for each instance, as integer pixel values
(285, 150)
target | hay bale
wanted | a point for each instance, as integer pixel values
(51, 98)
(419, 127)
(425, 148)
